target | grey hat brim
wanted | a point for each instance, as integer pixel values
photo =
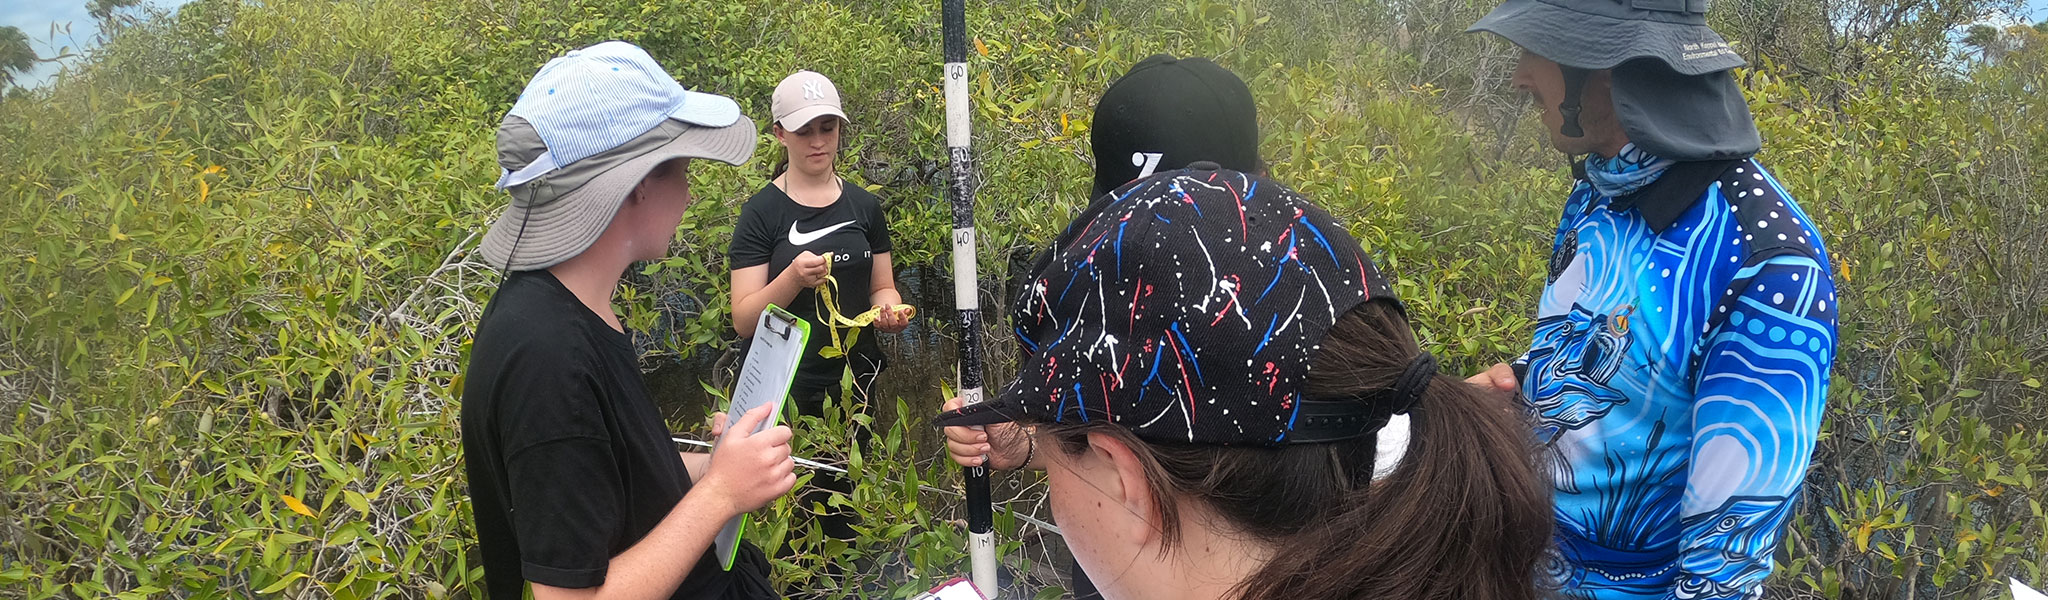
(542, 228)
(1585, 40)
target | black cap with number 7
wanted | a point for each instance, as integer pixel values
(1167, 113)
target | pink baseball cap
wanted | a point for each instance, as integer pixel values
(804, 96)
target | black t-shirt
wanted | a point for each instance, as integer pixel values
(569, 462)
(773, 229)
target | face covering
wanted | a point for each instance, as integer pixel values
(1628, 171)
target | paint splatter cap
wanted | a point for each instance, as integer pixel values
(1189, 309)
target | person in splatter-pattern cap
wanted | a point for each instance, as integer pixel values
(1165, 113)
(1229, 402)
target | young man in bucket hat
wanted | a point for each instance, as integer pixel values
(576, 486)
(1680, 362)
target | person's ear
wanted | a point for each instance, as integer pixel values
(1600, 90)
(1123, 479)
(639, 194)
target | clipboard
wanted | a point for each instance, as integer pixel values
(779, 339)
(959, 588)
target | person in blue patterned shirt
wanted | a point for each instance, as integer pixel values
(1679, 368)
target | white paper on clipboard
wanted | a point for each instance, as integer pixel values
(2020, 591)
(772, 357)
(957, 589)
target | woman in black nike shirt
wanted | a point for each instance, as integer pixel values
(808, 222)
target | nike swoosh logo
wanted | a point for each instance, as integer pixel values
(799, 238)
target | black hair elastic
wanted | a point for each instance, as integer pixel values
(1414, 381)
(1322, 421)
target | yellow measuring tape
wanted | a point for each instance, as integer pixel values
(837, 320)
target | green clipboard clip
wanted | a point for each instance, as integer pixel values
(772, 356)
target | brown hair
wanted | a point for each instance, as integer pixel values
(1465, 515)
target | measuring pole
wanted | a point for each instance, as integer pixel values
(981, 538)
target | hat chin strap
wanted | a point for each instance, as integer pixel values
(1574, 85)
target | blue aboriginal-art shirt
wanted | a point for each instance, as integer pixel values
(1678, 375)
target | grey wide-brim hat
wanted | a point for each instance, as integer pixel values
(1684, 118)
(1672, 89)
(1601, 34)
(557, 216)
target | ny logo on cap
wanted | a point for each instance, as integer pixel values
(811, 91)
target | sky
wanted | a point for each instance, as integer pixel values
(2034, 11)
(35, 16)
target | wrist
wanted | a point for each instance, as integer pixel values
(711, 497)
(790, 283)
(1006, 457)
(1030, 450)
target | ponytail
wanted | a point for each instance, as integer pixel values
(781, 164)
(1465, 514)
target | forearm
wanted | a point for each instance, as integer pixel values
(746, 310)
(696, 464)
(885, 296)
(882, 291)
(657, 565)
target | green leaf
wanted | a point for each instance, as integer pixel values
(17, 574)
(67, 472)
(281, 583)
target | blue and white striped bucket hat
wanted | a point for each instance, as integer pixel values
(589, 126)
